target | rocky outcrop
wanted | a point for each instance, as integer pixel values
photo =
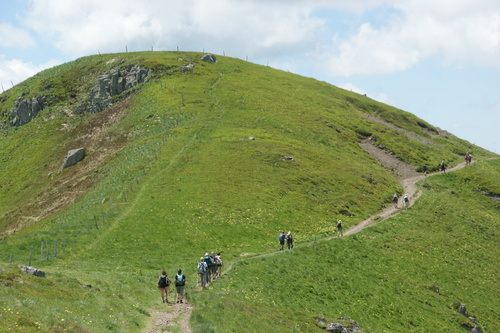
(33, 271)
(73, 156)
(25, 110)
(470, 323)
(112, 84)
(341, 325)
(209, 58)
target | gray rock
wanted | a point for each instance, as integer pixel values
(33, 271)
(209, 58)
(73, 156)
(336, 328)
(112, 84)
(25, 111)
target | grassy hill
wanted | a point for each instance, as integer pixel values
(221, 158)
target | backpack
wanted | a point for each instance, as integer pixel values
(218, 260)
(180, 279)
(208, 260)
(339, 224)
(282, 237)
(289, 238)
(163, 281)
(201, 268)
(406, 198)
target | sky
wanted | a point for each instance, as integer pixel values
(439, 60)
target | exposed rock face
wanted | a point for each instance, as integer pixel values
(73, 156)
(111, 84)
(473, 326)
(25, 110)
(33, 271)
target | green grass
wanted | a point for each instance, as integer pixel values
(171, 174)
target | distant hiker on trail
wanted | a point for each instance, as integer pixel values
(218, 262)
(425, 169)
(163, 283)
(469, 158)
(442, 167)
(281, 238)
(395, 200)
(406, 201)
(180, 282)
(202, 272)
(289, 240)
(339, 228)
(214, 266)
(209, 263)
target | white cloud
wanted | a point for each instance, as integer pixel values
(14, 71)
(11, 36)
(247, 28)
(458, 32)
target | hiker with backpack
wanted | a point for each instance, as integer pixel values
(209, 263)
(214, 266)
(339, 228)
(281, 238)
(406, 201)
(395, 200)
(180, 282)
(425, 169)
(202, 271)
(442, 167)
(289, 240)
(163, 283)
(218, 262)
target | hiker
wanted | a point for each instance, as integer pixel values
(218, 262)
(442, 167)
(469, 158)
(395, 200)
(163, 283)
(180, 281)
(281, 238)
(202, 271)
(289, 240)
(425, 169)
(406, 201)
(339, 228)
(214, 266)
(466, 158)
(209, 263)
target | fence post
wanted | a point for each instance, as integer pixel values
(10, 260)
(31, 256)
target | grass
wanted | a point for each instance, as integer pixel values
(172, 173)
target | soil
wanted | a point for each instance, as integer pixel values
(408, 178)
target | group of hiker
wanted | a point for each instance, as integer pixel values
(179, 282)
(209, 268)
(406, 201)
(468, 158)
(282, 237)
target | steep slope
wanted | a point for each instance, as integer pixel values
(216, 157)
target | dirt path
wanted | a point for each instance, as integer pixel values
(179, 314)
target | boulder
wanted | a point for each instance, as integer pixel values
(336, 328)
(33, 271)
(209, 58)
(73, 156)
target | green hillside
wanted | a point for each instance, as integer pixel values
(221, 157)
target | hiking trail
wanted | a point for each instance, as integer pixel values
(179, 314)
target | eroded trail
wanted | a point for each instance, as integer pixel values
(179, 314)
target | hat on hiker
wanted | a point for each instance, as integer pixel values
(206, 254)
(201, 258)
